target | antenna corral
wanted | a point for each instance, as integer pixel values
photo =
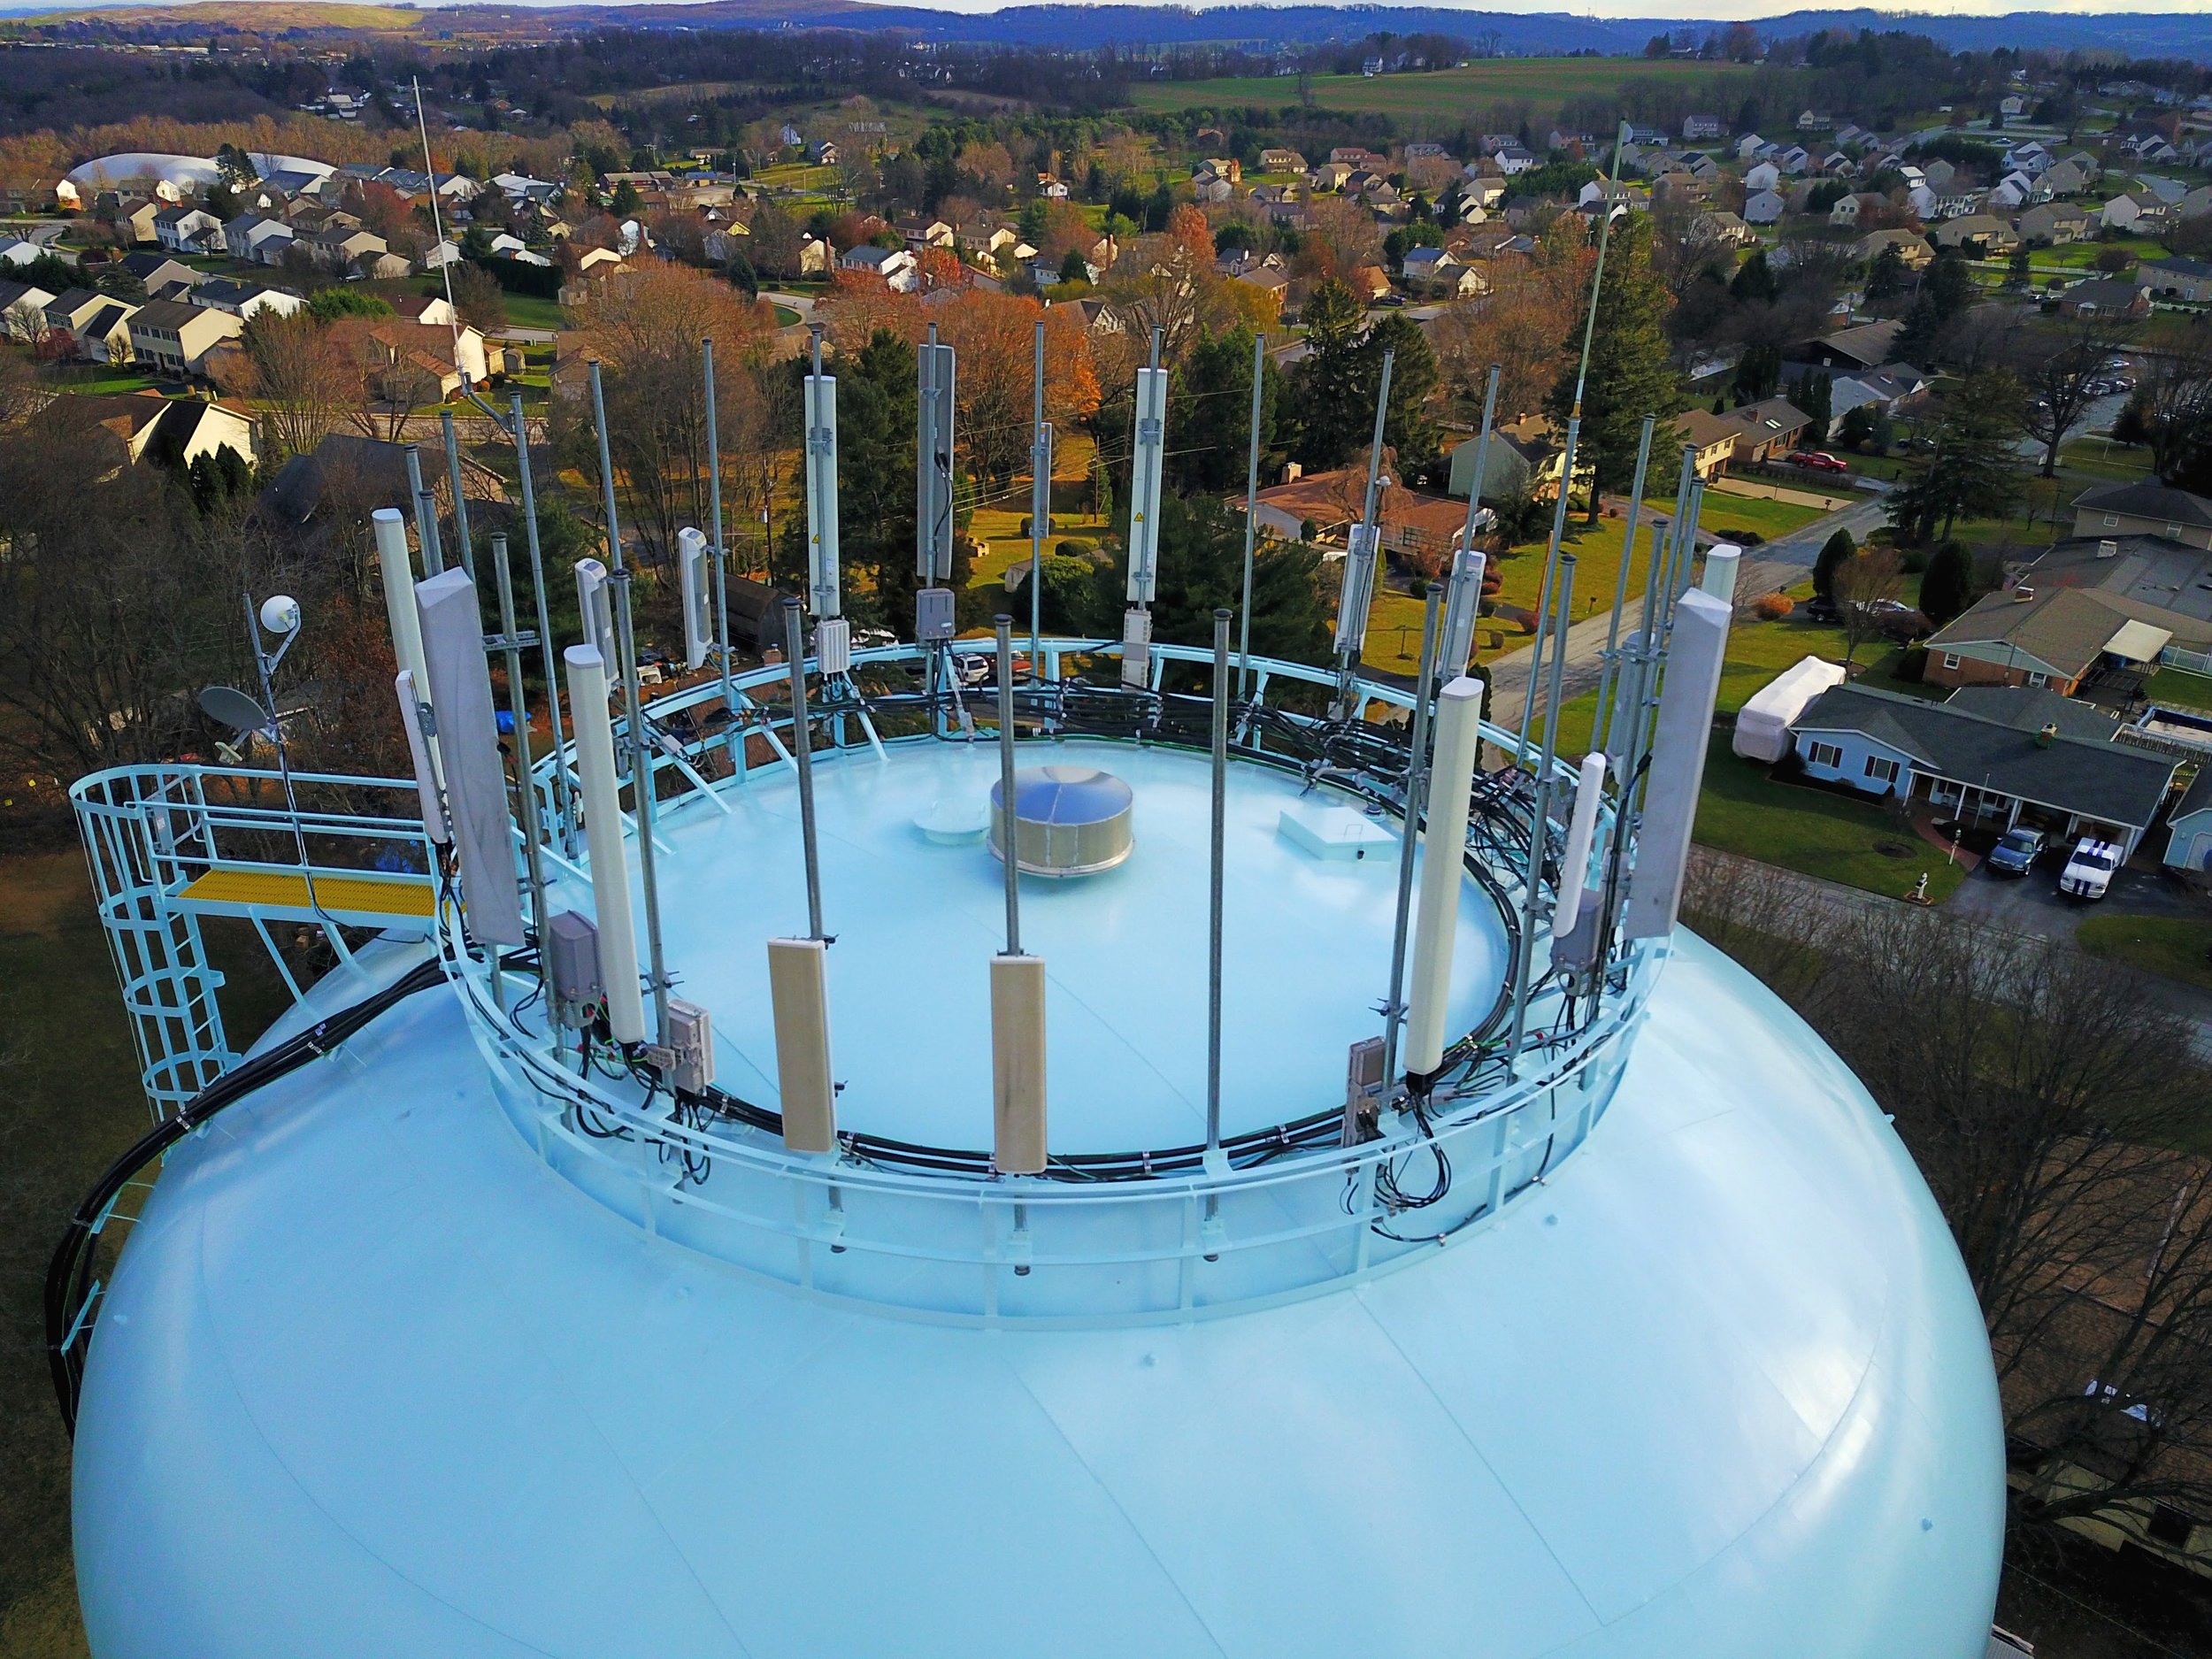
(895, 992)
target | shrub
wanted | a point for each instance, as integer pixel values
(1742, 538)
(1774, 607)
(1912, 561)
(1074, 548)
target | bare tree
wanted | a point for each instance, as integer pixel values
(302, 380)
(2062, 385)
(1866, 586)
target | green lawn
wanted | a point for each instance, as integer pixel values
(2174, 947)
(528, 311)
(785, 316)
(1541, 84)
(2177, 688)
(1742, 811)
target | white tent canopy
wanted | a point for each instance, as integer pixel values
(1763, 728)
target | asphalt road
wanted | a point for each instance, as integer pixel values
(1774, 565)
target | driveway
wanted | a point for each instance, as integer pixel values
(2032, 904)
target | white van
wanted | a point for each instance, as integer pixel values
(2088, 872)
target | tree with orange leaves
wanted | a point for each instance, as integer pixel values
(859, 303)
(993, 335)
(940, 268)
(644, 327)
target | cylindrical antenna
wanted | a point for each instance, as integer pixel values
(1443, 874)
(603, 839)
(518, 710)
(824, 595)
(1039, 501)
(564, 807)
(1362, 559)
(399, 591)
(721, 549)
(1008, 836)
(803, 751)
(1416, 780)
(1574, 868)
(1722, 561)
(1539, 818)
(460, 501)
(633, 713)
(1251, 520)
(1609, 678)
(1547, 611)
(1216, 872)
(424, 506)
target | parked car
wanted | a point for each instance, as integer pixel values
(2088, 872)
(2016, 850)
(1818, 461)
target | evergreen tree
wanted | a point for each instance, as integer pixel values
(1947, 586)
(1335, 414)
(1886, 279)
(1753, 279)
(1209, 413)
(1201, 566)
(1975, 467)
(1758, 373)
(1837, 551)
(875, 485)
(1407, 428)
(1631, 373)
(1814, 398)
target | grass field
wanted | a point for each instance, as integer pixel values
(69, 1104)
(2173, 946)
(2177, 688)
(1443, 95)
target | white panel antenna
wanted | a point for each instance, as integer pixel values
(1694, 652)
(468, 737)
(823, 598)
(602, 835)
(1358, 591)
(1574, 867)
(697, 579)
(1144, 485)
(1462, 609)
(597, 605)
(1443, 871)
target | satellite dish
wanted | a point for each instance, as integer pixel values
(227, 706)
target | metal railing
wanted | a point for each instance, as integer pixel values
(1290, 1212)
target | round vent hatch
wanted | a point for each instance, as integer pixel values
(1068, 820)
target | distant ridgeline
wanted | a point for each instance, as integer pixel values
(2134, 33)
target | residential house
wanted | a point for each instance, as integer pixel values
(1281, 161)
(257, 238)
(1418, 526)
(135, 220)
(1813, 121)
(1763, 176)
(919, 231)
(2031, 634)
(2137, 213)
(346, 250)
(2125, 297)
(174, 338)
(188, 230)
(1984, 233)
(895, 266)
(1846, 209)
(247, 300)
(2189, 827)
(1794, 160)
(2067, 178)
(2108, 511)
(1700, 128)
(2196, 204)
(409, 363)
(23, 310)
(1859, 347)
(333, 490)
(1911, 246)
(1885, 389)
(1513, 160)
(1051, 188)
(1726, 230)
(1764, 207)
(1749, 145)
(1358, 157)
(1525, 458)
(2052, 224)
(1712, 439)
(98, 323)
(2189, 279)
(1766, 429)
(171, 431)
(1330, 175)
(1993, 762)
(1426, 266)
(162, 277)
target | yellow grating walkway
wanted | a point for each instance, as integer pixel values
(283, 890)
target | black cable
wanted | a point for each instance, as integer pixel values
(68, 1276)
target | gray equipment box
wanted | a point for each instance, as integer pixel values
(933, 616)
(571, 944)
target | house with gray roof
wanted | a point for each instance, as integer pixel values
(2035, 635)
(2189, 831)
(2144, 509)
(1995, 761)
